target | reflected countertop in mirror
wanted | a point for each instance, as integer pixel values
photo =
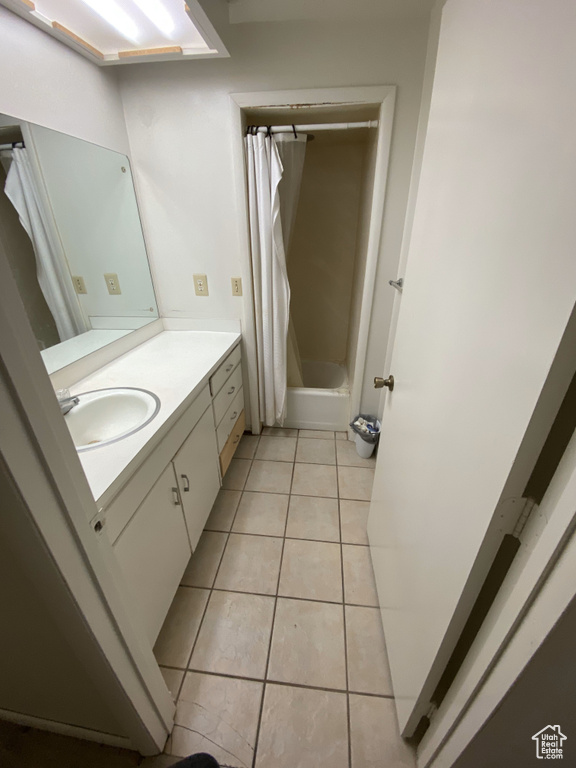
(70, 226)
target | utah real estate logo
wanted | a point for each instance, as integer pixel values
(549, 743)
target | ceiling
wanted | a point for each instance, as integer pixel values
(246, 11)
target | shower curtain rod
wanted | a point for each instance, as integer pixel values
(316, 127)
(12, 145)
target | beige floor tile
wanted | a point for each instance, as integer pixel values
(302, 729)
(276, 448)
(359, 585)
(235, 477)
(354, 521)
(315, 480)
(201, 569)
(341, 435)
(375, 738)
(280, 432)
(247, 447)
(174, 644)
(313, 517)
(223, 511)
(234, 635)
(270, 476)
(348, 456)
(316, 451)
(263, 513)
(250, 564)
(311, 569)
(218, 715)
(319, 434)
(368, 670)
(355, 483)
(173, 679)
(308, 644)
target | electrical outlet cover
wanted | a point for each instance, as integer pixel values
(200, 285)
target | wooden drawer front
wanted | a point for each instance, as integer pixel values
(232, 443)
(153, 552)
(224, 398)
(230, 418)
(196, 465)
(123, 505)
(219, 377)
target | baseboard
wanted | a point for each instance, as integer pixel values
(65, 729)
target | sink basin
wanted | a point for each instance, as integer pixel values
(104, 416)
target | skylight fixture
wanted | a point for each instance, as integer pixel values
(158, 15)
(111, 12)
(109, 32)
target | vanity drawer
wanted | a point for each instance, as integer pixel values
(231, 445)
(219, 377)
(227, 394)
(230, 417)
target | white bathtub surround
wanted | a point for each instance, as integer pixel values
(175, 365)
(324, 400)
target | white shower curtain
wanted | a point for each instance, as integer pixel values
(292, 150)
(52, 273)
(271, 287)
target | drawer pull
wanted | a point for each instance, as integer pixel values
(176, 497)
(233, 415)
(186, 483)
(232, 389)
(229, 367)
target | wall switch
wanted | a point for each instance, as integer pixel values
(200, 285)
(79, 284)
(236, 286)
(112, 283)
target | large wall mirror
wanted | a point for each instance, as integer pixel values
(70, 226)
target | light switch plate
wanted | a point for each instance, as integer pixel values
(200, 285)
(236, 286)
(79, 284)
(112, 283)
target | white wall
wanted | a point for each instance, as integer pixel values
(47, 83)
(179, 123)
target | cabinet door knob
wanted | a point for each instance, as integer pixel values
(229, 367)
(231, 390)
(186, 483)
(234, 415)
(176, 497)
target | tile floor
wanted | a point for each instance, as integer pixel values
(273, 646)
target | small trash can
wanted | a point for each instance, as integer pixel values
(367, 431)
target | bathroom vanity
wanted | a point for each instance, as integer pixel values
(155, 488)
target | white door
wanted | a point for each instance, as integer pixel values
(489, 288)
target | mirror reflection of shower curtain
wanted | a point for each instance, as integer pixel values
(270, 279)
(52, 273)
(292, 150)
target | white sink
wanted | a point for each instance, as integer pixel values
(106, 415)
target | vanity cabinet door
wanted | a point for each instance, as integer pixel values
(196, 467)
(153, 551)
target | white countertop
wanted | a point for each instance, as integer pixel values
(175, 365)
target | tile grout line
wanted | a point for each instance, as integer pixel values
(257, 737)
(291, 538)
(348, 726)
(285, 683)
(288, 597)
(211, 589)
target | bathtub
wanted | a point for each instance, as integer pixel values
(324, 400)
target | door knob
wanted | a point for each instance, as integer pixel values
(379, 382)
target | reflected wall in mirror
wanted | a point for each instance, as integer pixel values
(70, 227)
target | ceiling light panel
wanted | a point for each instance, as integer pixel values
(125, 31)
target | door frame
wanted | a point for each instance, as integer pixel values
(381, 96)
(77, 574)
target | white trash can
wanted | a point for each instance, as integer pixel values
(363, 448)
